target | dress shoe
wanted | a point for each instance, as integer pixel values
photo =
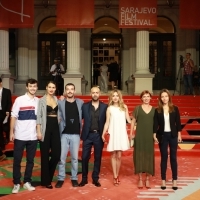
(82, 183)
(96, 183)
(74, 183)
(49, 186)
(59, 184)
(174, 186)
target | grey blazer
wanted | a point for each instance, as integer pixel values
(42, 114)
(61, 108)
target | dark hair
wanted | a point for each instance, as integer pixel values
(31, 81)
(69, 84)
(50, 82)
(145, 92)
(189, 54)
(0, 80)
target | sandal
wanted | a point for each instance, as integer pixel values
(147, 183)
(115, 182)
(140, 184)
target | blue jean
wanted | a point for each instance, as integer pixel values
(69, 142)
(172, 142)
(187, 78)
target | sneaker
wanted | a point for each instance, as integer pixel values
(28, 186)
(3, 157)
(16, 188)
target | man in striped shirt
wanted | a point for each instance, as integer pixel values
(23, 134)
(188, 66)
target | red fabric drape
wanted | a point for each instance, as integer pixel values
(16, 13)
(75, 13)
(190, 14)
(137, 13)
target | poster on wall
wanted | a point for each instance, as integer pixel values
(75, 14)
(137, 13)
(16, 13)
(189, 14)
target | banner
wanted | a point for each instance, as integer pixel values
(189, 14)
(137, 13)
(75, 14)
(16, 13)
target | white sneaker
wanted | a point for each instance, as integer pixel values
(28, 186)
(16, 188)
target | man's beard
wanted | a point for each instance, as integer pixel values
(70, 95)
(95, 99)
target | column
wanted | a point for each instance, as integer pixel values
(73, 74)
(4, 52)
(23, 55)
(7, 79)
(23, 61)
(143, 78)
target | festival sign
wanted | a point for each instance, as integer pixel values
(189, 14)
(137, 13)
(16, 13)
(75, 14)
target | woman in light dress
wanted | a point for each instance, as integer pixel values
(104, 77)
(116, 116)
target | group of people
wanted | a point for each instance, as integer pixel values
(57, 124)
(107, 73)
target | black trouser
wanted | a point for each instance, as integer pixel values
(2, 117)
(172, 142)
(94, 139)
(19, 146)
(51, 144)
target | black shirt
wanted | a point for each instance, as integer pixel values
(72, 118)
(94, 118)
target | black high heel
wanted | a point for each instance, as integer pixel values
(174, 187)
(163, 187)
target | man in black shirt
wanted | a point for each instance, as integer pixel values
(94, 116)
(70, 126)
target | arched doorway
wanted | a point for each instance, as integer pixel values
(106, 45)
(52, 43)
(162, 56)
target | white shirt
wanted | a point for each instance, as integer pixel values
(25, 111)
(167, 123)
(53, 67)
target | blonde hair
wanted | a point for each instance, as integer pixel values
(160, 103)
(120, 103)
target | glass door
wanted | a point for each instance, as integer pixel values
(50, 46)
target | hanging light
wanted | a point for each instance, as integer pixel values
(170, 3)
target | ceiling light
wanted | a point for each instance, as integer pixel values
(105, 24)
(104, 39)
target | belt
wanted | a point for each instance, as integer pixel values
(94, 131)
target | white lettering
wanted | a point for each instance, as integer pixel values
(18, 13)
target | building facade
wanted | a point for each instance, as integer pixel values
(152, 56)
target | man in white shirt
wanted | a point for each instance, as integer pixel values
(56, 70)
(23, 133)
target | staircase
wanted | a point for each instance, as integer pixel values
(189, 107)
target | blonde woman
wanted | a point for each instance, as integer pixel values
(116, 116)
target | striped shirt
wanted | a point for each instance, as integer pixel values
(25, 111)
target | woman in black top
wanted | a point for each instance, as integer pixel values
(167, 132)
(48, 134)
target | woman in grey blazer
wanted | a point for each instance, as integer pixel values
(48, 134)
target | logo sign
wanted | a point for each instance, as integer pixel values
(137, 13)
